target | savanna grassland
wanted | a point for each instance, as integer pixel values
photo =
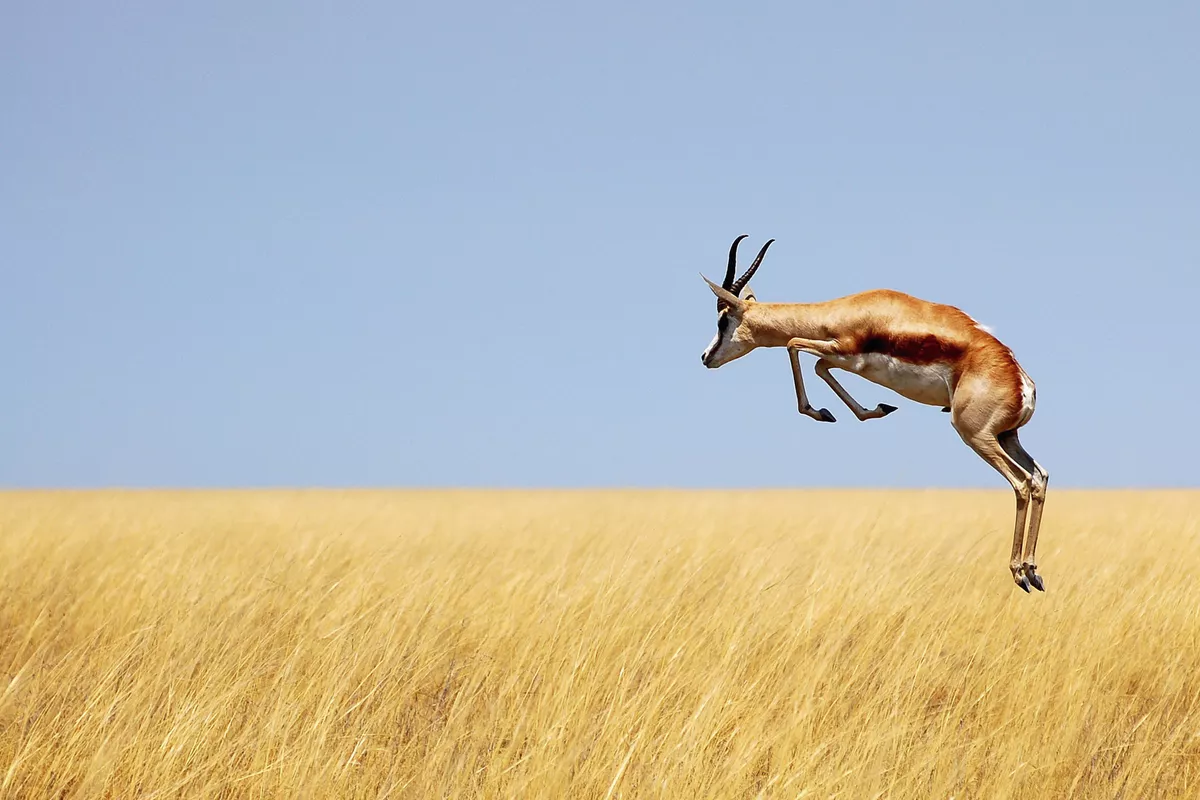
(596, 644)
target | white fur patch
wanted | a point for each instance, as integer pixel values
(981, 326)
(921, 383)
(1028, 397)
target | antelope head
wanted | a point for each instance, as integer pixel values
(733, 339)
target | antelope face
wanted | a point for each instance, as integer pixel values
(729, 343)
(733, 339)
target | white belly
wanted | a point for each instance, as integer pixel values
(921, 383)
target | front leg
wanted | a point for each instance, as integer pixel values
(881, 410)
(794, 347)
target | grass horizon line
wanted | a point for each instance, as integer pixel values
(546, 488)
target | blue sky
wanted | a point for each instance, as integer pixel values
(402, 244)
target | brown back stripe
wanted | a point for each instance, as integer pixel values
(917, 348)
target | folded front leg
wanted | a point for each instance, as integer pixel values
(881, 410)
(795, 347)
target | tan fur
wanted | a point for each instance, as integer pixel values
(929, 352)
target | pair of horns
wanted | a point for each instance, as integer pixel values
(729, 284)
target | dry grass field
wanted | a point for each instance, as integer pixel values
(596, 645)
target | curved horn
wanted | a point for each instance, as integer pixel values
(725, 284)
(741, 282)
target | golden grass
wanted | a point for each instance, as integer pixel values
(602, 644)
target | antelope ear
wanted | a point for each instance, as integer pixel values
(724, 294)
(748, 295)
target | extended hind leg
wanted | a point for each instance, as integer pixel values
(979, 414)
(1039, 479)
(989, 449)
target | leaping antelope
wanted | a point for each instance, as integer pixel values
(930, 353)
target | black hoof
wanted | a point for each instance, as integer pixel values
(1036, 580)
(826, 416)
(946, 409)
(886, 409)
(1024, 584)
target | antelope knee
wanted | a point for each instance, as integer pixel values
(1037, 486)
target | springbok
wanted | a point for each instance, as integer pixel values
(927, 352)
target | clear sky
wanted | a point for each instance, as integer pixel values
(458, 244)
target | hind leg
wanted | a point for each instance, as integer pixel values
(989, 449)
(979, 414)
(1039, 479)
